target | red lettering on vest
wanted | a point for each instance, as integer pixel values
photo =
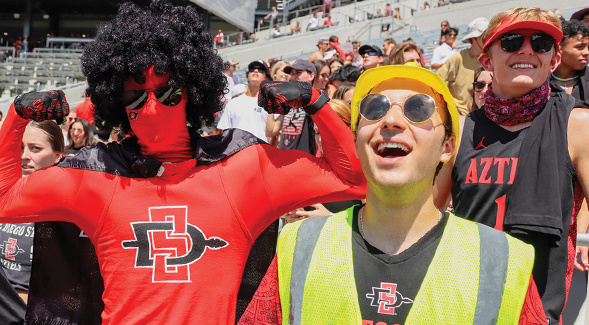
(471, 175)
(487, 165)
(500, 162)
(513, 169)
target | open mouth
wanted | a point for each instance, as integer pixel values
(392, 150)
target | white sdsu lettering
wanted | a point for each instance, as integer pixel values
(17, 229)
(11, 265)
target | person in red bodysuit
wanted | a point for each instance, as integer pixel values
(172, 215)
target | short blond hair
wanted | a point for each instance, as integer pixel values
(520, 14)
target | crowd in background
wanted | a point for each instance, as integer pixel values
(335, 71)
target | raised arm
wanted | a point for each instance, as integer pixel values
(293, 178)
(22, 198)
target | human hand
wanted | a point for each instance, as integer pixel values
(41, 106)
(584, 264)
(301, 213)
(278, 97)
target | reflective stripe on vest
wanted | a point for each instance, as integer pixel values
(317, 254)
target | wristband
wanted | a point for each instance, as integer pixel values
(316, 105)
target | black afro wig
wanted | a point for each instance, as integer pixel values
(168, 37)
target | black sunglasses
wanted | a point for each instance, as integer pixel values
(417, 108)
(479, 85)
(541, 43)
(260, 70)
(371, 53)
(168, 95)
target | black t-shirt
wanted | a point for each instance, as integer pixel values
(16, 248)
(297, 132)
(482, 177)
(387, 285)
(485, 169)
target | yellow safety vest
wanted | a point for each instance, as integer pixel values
(478, 275)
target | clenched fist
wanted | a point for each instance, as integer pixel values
(41, 106)
(278, 97)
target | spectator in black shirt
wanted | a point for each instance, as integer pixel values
(571, 75)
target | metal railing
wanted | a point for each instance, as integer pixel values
(68, 40)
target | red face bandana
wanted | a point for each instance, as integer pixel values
(158, 117)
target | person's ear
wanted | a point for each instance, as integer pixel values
(486, 62)
(57, 157)
(448, 149)
(555, 61)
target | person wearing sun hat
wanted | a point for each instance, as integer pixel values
(458, 70)
(398, 259)
(522, 163)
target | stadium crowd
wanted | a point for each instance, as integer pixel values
(396, 182)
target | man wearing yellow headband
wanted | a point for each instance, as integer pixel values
(523, 162)
(398, 259)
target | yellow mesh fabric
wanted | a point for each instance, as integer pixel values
(519, 269)
(448, 294)
(286, 247)
(330, 295)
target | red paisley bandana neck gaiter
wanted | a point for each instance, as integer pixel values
(513, 111)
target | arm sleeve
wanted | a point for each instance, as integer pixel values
(532, 310)
(47, 194)
(11, 135)
(292, 178)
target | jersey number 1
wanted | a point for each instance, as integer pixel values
(500, 212)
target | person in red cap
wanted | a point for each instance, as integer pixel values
(522, 163)
(334, 44)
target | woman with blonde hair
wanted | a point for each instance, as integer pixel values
(278, 73)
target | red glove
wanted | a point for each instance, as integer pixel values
(41, 106)
(278, 97)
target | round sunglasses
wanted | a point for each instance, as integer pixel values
(417, 108)
(541, 43)
(168, 95)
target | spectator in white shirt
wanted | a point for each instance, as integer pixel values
(313, 23)
(243, 112)
(446, 50)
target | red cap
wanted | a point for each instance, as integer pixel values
(510, 24)
(334, 41)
